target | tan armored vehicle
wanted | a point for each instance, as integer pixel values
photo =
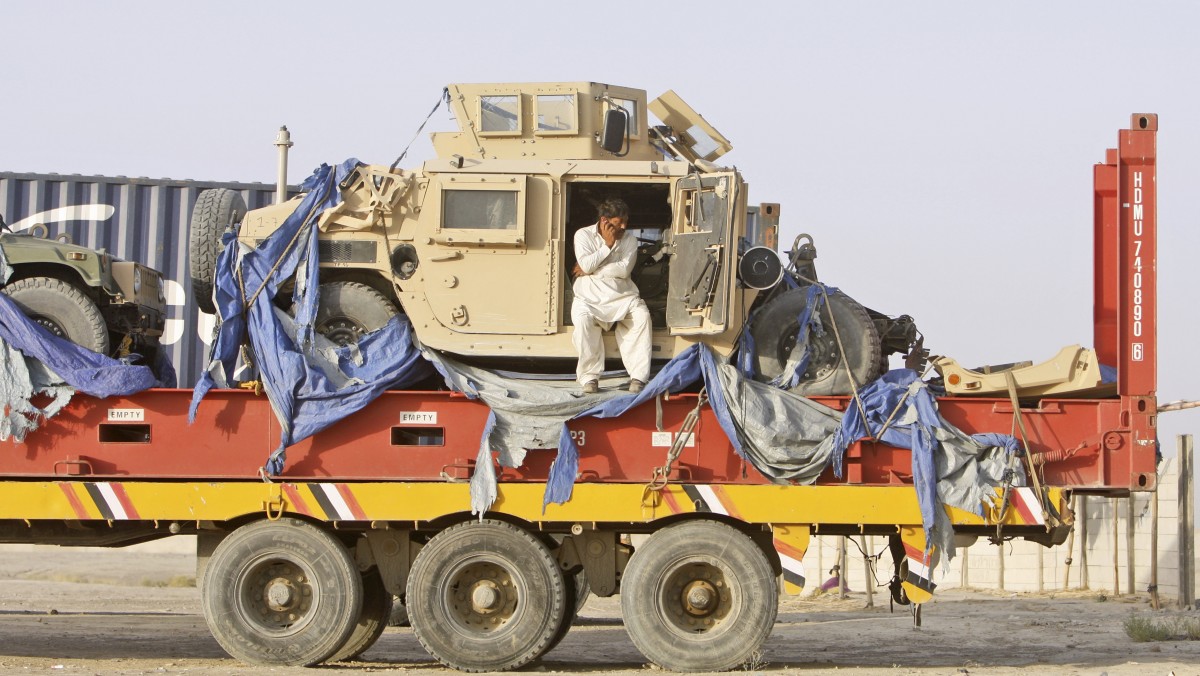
(475, 247)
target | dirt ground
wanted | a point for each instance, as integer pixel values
(125, 612)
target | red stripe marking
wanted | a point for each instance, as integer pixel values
(123, 497)
(726, 502)
(672, 504)
(1023, 509)
(293, 497)
(351, 502)
(788, 549)
(73, 500)
(915, 554)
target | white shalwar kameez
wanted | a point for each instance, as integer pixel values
(604, 297)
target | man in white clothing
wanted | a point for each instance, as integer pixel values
(606, 296)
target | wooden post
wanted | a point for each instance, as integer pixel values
(965, 583)
(1070, 546)
(867, 576)
(1187, 536)
(1083, 543)
(842, 584)
(1154, 603)
(1001, 570)
(1130, 554)
(1041, 569)
(1116, 547)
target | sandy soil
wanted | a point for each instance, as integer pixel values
(115, 612)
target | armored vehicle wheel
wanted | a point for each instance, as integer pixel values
(774, 331)
(214, 212)
(376, 610)
(698, 596)
(348, 310)
(62, 309)
(281, 593)
(485, 596)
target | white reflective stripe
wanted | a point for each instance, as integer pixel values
(919, 569)
(339, 505)
(791, 564)
(710, 497)
(1027, 495)
(110, 498)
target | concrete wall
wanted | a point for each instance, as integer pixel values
(1029, 567)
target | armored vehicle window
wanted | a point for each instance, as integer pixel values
(500, 114)
(629, 107)
(555, 113)
(480, 209)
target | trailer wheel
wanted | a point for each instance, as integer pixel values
(215, 211)
(774, 331)
(376, 611)
(281, 593)
(485, 596)
(698, 596)
(583, 591)
(571, 591)
(347, 310)
(62, 309)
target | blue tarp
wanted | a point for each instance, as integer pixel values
(36, 362)
(86, 371)
(785, 436)
(310, 383)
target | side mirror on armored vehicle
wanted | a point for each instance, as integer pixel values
(614, 138)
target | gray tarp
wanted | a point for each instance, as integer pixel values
(786, 437)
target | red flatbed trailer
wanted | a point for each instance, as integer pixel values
(377, 505)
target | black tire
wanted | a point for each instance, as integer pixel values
(571, 606)
(62, 309)
(215, 212)
(347, 310)
(699, 596)
(583, 591)
(774, 331)
(373, 619)
(485, 596)
(281, 593)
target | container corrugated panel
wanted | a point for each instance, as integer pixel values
(137, 219)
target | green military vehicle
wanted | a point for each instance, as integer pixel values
(99, 302)
(475, 247)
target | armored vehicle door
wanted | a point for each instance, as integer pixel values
(702, 252)
(489, 266)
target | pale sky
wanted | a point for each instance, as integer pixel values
(940, 153)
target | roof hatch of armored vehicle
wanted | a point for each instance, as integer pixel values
(698, 140)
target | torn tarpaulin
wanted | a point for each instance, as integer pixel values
(36, 361)
(787, 438)
(310, 383)
(949, 467)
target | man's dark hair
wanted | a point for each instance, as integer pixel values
(613, 207)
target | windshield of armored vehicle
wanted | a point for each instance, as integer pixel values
(500, 113)
(555, 112)
(480, 209)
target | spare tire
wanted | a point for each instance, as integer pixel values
(348, 310)
(62, 309)
(774, 331)
(215, 212)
